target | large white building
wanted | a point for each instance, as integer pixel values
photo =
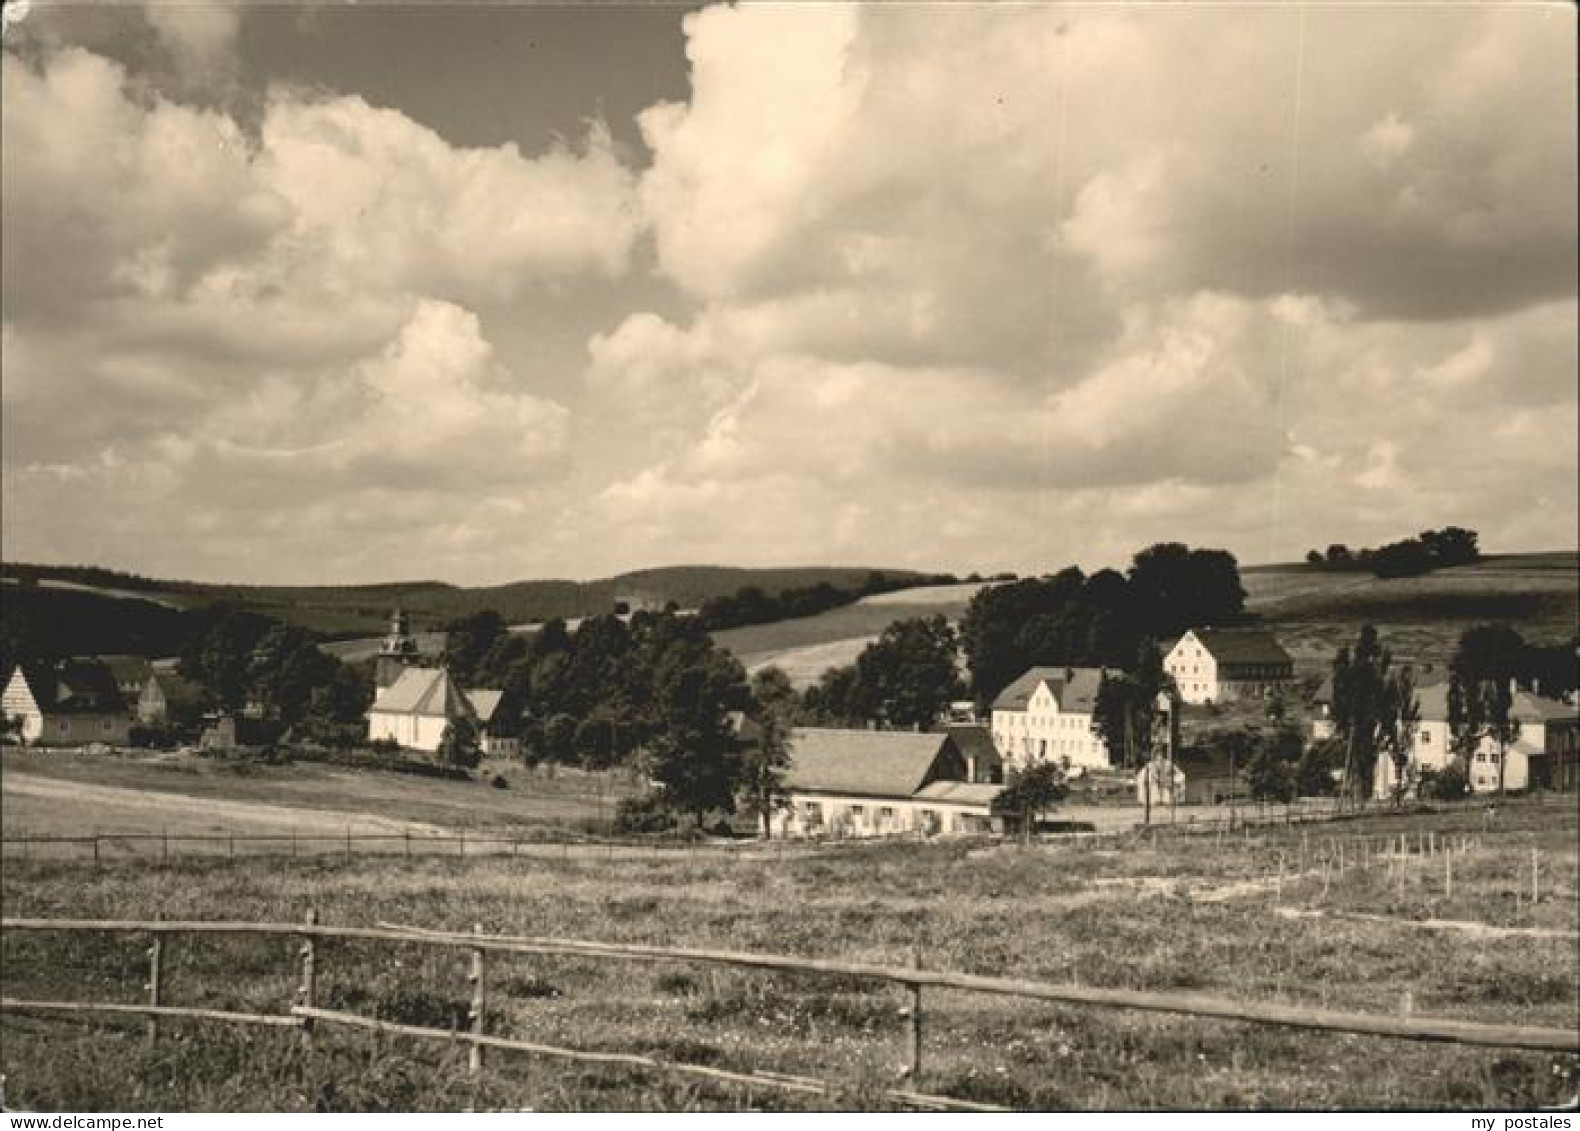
(1046, 715)
(1544, 745)
(1215, 665)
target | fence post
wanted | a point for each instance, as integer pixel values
(463, 842)
(293, 843)
(1536, 876)
(156, 954)
(1448, 877)
(348, 844)
(164, 839)
(474, 1059)
(95, 848)
(913, 1040)
(233, 844)
(407, 836)
(307, 992)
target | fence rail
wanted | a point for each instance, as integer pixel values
(305, 1013)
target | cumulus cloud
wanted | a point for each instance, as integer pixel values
(949, 286)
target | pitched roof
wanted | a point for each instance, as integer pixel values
(485, 701)
(423, 691)
(975, 741)
(1526, 707)
(128, 669)
(1074, 689)
(1242, 646)
(84, 686)
(876, 763)
(961, 792)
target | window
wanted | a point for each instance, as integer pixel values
(63, 726)
(107, 726)
(1426, 737)
(886, 813)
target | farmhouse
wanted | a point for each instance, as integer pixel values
(862, 783)
(1047, 714)
(130, 672)
(75, 703)
(1541, 756)
(1214, 665)
(167, 698)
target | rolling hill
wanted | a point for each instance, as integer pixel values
(1313, 612)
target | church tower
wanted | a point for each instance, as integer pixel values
(398, 651)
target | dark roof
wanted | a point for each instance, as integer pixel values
(1242, 646)
(80, 686)
(873, 763)
(1075, 689)
(128, 670)
(975, 741)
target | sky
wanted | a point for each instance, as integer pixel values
(345, 293)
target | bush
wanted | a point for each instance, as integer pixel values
(498, 782)
(646, 814)
(1449, 784)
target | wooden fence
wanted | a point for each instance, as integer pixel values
(164, 845)
(305, 1014)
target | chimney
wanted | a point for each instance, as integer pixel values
(1536, 686)
(971, 767)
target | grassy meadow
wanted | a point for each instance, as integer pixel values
(63, 793)
(1231, 916)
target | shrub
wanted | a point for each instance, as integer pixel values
(498, 782)
(646, 814)
(1449, 784)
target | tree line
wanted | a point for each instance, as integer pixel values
(1409, 557)
(751, 604)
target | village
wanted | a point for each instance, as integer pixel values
(1220, 698)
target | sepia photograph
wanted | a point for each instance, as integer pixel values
(932, 556)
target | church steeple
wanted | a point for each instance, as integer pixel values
(398, 650)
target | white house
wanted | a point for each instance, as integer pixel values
(73, 704)
(863, 783)
(415, 709)
(1047, 714)
(1546, 729)
(1215, 665)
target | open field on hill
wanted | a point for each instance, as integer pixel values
(806, 645)
(1312, 611)
(1176, 913)
(1420, 618)
(61, 793)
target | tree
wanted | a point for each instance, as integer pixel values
(909, 675)
(1451, 546)
(1314, 557)
(1481, 693)
(1269, 772)
(1401, 717)
(1125, 714)
(694, 756)
(1178, 588)
(1314, 770)
(460, 745)
(467, 640)
(1360, 709)
(1409, 558)
(1031, 792)
(765, 761)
